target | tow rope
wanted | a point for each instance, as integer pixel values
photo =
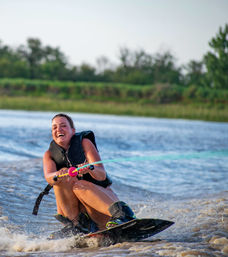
(72, 171)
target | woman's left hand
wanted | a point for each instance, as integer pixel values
(83, 171)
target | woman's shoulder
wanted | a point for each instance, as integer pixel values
(47, 154)
(87, 142)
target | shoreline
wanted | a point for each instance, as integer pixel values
(175, 110)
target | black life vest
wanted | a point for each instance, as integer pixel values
(75, 155)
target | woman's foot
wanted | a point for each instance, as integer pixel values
(121, 213)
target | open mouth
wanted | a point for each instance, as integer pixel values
(61, 135)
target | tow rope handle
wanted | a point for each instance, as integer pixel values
(72, 172)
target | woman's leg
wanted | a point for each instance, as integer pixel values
(66, 201)
(96, 200)
(99, 218)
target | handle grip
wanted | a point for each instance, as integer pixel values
(55, 178)
(72, 172)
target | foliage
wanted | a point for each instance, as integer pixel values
(186, 111)
(138, 68)
(36, 61)
(157, 94)
(217, 60)
(194, 73)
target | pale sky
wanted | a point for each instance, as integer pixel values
(85, 30)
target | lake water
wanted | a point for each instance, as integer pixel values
(174, 169)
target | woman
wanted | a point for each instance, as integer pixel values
(84, 203)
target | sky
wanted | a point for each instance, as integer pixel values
(85, 30)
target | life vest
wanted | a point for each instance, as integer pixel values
(75, 155)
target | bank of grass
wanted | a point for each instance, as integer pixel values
(183, 111)
(159, 100)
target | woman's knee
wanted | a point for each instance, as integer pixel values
(66, 184)
(82, 185)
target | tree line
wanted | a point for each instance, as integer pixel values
(35, 61)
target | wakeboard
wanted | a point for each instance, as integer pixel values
(133, 230)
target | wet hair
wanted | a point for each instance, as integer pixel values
(65, 116)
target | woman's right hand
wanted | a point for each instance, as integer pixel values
(61, 172)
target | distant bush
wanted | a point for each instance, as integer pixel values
(157, 94)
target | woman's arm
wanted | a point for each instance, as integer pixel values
(92, 155)
(50, 171)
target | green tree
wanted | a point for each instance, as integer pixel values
(165, 70)
(11, 64)
(54, 64)
(216, 61)
(104, 69)
(194, 73)
(135, 67)
(33, 54)
(86, 73)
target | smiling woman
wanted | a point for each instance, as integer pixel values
(62, 130)
(84, 203)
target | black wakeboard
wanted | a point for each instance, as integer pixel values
(133, 230)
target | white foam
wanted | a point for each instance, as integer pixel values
(15, 242)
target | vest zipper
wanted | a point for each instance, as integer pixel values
(66, 155)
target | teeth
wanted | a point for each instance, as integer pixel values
(60, 135)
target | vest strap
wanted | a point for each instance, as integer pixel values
(40, 197)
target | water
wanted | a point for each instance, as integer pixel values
(190, 189)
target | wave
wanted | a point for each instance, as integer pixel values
(200, 228)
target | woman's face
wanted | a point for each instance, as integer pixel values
(62, 131)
